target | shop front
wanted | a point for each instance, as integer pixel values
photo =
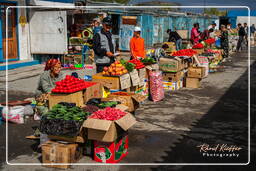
(12, 33)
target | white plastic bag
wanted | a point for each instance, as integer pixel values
(28, 110)
(15, 114)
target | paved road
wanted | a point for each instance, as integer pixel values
(170, 131)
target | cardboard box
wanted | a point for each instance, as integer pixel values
(109, 82)
(94, 91)
(55, 152)
(193, 82)
(132, 100)
(173, 76)
(196, 72)
(76, 97)
(170, 85)
(171, 65)
(111, 152)
(108, 131)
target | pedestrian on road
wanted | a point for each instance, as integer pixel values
(246, 29)
(241, 34)
(137, 46)
(253, 34)
(176, 38)
(49, 77)
(253, 29)
(104, 46)
(224, 41)
(195, 34)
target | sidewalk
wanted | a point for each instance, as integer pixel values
(170, 131)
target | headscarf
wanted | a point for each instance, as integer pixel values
(51, 63)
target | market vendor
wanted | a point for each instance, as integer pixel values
(104, 46)
(195, 34)
(176, 38)
(49, 77)
(137, 46)
(96, 25)
(207, 34)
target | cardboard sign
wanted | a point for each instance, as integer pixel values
(135, 77)
(142, 75)
(125, 81)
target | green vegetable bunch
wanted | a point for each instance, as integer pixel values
(129, 66)
(148, 60)
(67, 113)
(107, 104)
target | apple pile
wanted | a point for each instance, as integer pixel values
(115, 69)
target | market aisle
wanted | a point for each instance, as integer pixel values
(169, 131)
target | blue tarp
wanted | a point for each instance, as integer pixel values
(235, 13)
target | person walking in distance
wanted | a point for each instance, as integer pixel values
(241, 34)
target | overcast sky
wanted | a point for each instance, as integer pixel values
(249, 3)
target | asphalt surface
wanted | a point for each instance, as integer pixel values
(170, 131)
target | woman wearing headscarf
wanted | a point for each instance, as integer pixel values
(49, 77)
(46, 83)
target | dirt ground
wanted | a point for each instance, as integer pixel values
(169, 131)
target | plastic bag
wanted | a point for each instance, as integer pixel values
(28, 110)
(156, 86)
(15, 114)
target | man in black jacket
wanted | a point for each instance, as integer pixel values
(175, 37)
(104, 46)
(241, 34)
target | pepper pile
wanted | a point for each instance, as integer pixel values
(198, 46)
(71, 84)
(115, 69)
(66, 112)
(184, 52)
(138, 63)
(210, 41)
(108, 113)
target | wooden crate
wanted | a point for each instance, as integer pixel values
(109, 82)
(54, 152)
(76, 97)
(193, 82)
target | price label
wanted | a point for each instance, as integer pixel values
(135, 77)
(125, 81)
(142, 75)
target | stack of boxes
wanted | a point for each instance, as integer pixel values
(194, 76)
(173, 72)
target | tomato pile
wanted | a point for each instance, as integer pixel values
(210, 41)
(71, 84)
(138, 63)
(213, 51)
(198, 46)
(184, 52)
(108, 113)
(115, 69)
